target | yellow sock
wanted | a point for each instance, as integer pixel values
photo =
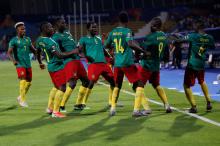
(114, 96)
(51, 98)
(22, 90)
(138, 98)
(82, 92)
(161, 93)
(66, 96)
(190, 96)
(206, 92)
(110, 95)
(86, 96)
(145, 103)
(58, 96)
(27, 86)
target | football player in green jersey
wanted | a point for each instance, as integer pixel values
(156, 43)
(19, 49)
(123, 43)
(55, 66)
(74, 69)
(199, 43)
(94, 52)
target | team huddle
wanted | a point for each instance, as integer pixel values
(63, 55)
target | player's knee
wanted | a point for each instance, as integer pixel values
(91, 84)
(85, 82)
(62, 88)
(155, 85)
(186, 85)
(112, 83)
(72, 84)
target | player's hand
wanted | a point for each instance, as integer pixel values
(15, 62)
(42, 66)
(90, 59)
(111, 61)
(82, 55)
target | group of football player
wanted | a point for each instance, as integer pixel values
(63, 55)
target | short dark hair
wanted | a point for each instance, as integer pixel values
(156, 22)
(200, 23)
(88, 25)
(43, 26)
(123, 17)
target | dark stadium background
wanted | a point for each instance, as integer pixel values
(177, 16)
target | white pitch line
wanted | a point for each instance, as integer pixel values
(176, 109)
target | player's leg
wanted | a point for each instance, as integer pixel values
(83, 90)
(22, 86)
(189, 80)
(139, 98)
(59, 81)
(88, 92)
(72, 84)
(58, 96)
(50, 104)
(118, 76)
(94, 71)
(133, 76)
(144, 76)
(205, 90)
(108, 75)
(155, 81)
(71, 77)
(28, 79)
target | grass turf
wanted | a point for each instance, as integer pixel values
(27, 127)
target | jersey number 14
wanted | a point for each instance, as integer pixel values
(118, 47)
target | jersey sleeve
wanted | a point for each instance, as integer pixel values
(11, 44)
(81, 42)
(109, 39)
(129, 35)
(189, 38)
(212, 43)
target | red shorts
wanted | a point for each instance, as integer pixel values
(152, 77)
(191, 75)
(25, 73)
(75, 69)
(97, 69)
(144, 74)
(58, 78)
(130, 72)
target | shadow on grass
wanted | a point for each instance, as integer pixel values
(111, 132)
(9, 108)
(42, 121)
(79, 112)
(183, 124)
(39, 122)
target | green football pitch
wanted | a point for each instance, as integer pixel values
(93, 127)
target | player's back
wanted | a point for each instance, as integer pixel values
(199, 45)
(48, 46)
(155, 43)
(123, 54)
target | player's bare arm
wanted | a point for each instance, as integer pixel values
(10, 55)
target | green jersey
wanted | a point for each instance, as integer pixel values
(119, 37)
(21, 51)
(48, 46)
(155, 43)
(66, 44)
(93, 48)
(199, 44)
